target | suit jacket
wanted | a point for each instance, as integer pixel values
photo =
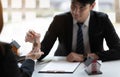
(9, 66)
(100, 28)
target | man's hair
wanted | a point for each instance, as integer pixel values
(84, 2)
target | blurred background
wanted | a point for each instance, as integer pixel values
(22, 15)
(17, 10)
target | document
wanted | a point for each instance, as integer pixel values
(60, 65)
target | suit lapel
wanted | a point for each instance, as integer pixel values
(92, 25)
(69, 29)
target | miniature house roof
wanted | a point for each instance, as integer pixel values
(14, 43)
(89, 61)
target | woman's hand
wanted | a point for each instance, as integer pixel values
(34, 54)
(34, 38)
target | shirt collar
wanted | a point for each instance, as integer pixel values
(86, 23)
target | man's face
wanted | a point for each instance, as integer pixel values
(80, 12)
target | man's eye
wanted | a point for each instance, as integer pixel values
(81, 7)
(73, 6)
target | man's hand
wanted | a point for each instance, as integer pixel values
(75, 57)
(31, 36)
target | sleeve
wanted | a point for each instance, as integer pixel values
(50, 37)
(11, 67)
(112, 40)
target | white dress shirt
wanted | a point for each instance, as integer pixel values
(85, 28)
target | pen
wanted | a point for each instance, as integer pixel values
(34, 40)
(54, 71)
(35, 43)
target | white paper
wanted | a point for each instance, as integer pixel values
(60, 65)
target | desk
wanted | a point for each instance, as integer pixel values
(109, 69)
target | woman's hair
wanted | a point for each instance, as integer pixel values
(1, 26)
(1, 17)
(2, 49)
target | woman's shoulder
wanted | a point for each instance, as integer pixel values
(3, 43)
(4, 46)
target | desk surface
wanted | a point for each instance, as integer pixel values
(109, 69)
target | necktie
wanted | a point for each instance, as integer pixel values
(80, 45)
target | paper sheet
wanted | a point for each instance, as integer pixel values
(60, 65)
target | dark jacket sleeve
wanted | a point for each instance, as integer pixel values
(50, 37)
(9, 65)
(112, 41)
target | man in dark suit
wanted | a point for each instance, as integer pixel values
(8, 63)
(96, 27)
